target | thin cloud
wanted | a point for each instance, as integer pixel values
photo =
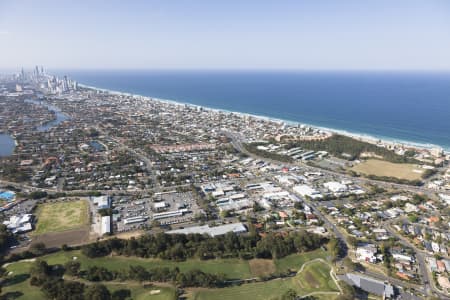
(4, 32)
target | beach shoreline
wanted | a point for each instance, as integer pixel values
(355, 135)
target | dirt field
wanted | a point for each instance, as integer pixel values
(69, 237)
(61, 216)
(311, 280)
(383, 168)
(261, 267)
(129, 235)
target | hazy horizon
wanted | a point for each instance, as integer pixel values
(233, 35)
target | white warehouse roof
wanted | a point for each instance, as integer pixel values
(212, 231)
(106, 224)
(335, 187)
(305, 190)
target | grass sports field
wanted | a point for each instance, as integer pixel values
(61, 216)
(315, 277)
(384, 168)
(18, 281)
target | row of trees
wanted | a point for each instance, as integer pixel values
(191, 278)
(395, 180)
(180, 247)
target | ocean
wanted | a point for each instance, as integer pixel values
(409, 107)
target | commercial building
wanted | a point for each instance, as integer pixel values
(336, 187)
(19, 224)
(170, 214)
(370, 285)
(102, 202)
(305, 190)
(133, 220)
(106, 224)
(160, 206)
(212, 231)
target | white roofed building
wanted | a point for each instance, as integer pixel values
(212, 231)
(102, 202)
(305, 190)
(19, 224)
(336, 187)
(106, 224)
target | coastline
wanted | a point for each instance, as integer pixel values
(356, 135)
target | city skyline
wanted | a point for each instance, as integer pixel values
(262, 35)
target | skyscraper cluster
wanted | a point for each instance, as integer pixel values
(61, 85)
(50, 83)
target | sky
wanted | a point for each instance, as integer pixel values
(230, 34)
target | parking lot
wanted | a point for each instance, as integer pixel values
(167, 208)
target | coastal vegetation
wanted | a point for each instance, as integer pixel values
(350, 148)
(253, 148)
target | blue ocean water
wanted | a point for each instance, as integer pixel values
(401, 106)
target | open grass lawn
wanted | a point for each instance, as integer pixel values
(261, 267)
(61, 216)
(262, 291)
(295, 261)
(138, 292)
(384, 168)
(313, 278)
(233, 269)
(17, 286)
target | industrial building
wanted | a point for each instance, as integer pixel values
(212, 231)
(106, 225)
(102, 202)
